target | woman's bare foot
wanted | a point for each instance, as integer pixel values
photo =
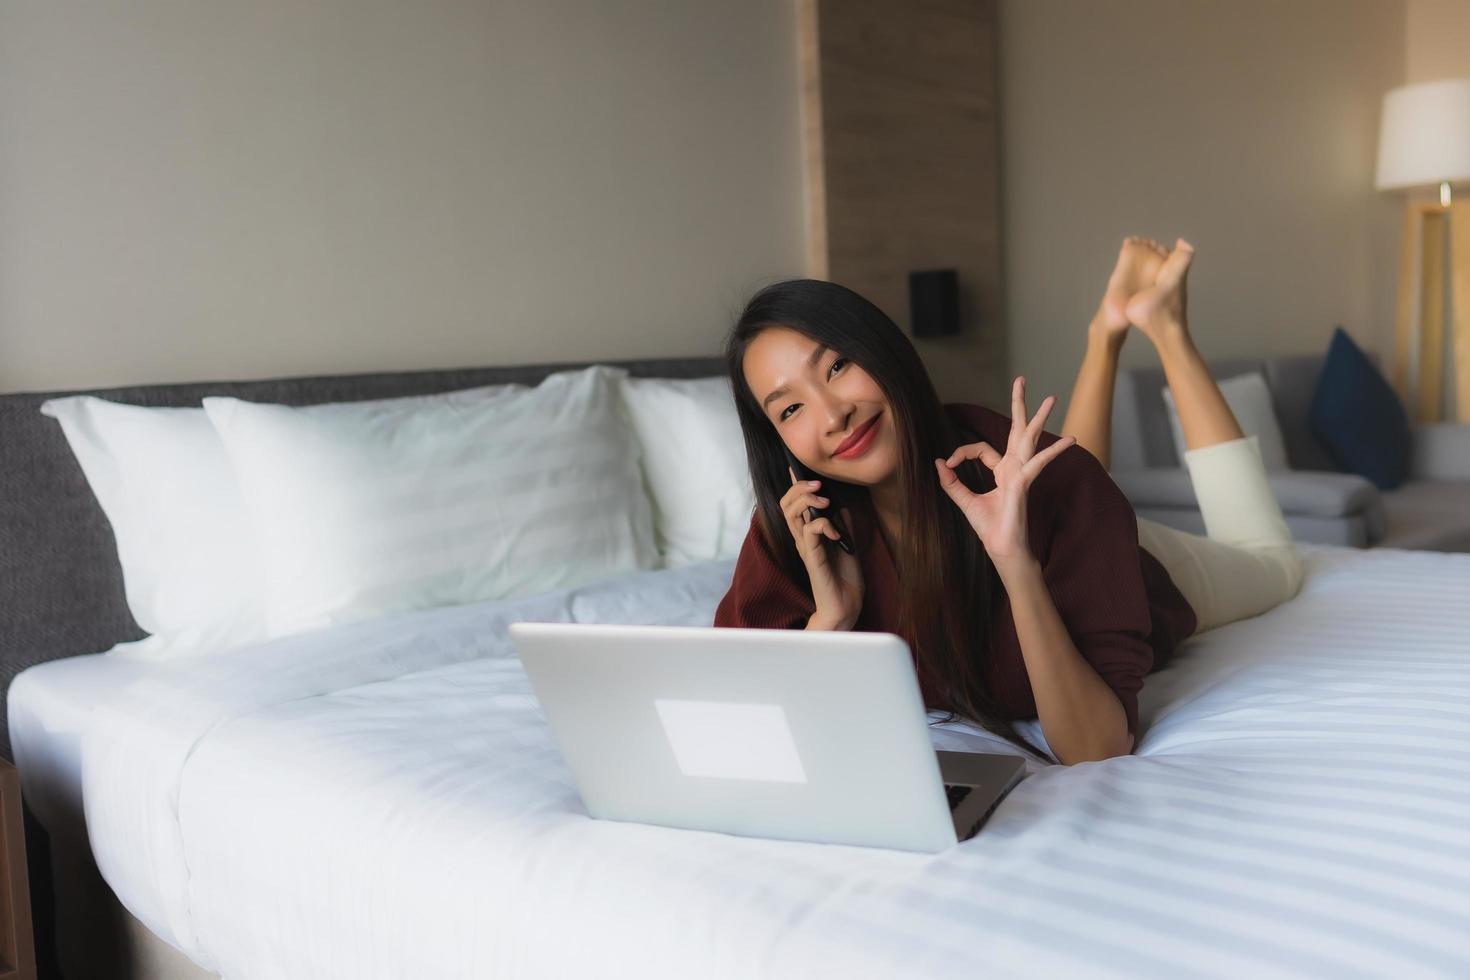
(1139, 260)
(1160, 309)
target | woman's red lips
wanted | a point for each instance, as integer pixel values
(856, 436)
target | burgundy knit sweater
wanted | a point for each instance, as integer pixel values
(1123, 612)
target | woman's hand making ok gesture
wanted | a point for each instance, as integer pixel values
(999, 517)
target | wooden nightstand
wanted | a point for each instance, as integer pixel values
(17, 945)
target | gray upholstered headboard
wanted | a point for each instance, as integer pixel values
(61, 588)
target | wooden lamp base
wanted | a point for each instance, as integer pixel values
(1425, 229)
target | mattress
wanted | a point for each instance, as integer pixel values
(385, 800)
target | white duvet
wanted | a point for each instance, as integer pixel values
(385, 800)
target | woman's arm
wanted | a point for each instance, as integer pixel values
(1083, 719)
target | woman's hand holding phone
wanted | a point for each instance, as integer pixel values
(836, 576)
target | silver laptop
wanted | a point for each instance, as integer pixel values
(793, 734)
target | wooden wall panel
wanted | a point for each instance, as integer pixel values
(902, 167)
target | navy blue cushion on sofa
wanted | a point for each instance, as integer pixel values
(1358, 418)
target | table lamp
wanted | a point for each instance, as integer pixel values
(1423, 141)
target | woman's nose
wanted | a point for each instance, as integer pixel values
(836, 407)
(838, 413)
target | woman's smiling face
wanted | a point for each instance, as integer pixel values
(817, 400)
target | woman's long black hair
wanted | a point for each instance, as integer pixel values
(944, 572)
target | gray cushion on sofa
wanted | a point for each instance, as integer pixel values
(1141, 433)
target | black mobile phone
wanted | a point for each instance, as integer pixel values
(802, 473)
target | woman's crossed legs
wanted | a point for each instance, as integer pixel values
(1247, 564)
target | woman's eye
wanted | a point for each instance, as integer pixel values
(788, 408)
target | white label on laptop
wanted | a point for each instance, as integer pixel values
(729, 740)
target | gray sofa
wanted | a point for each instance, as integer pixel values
(1430, 511)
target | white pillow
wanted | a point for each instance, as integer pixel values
(183, 535)
(1249, 398)
(694, 463)
(369, 508)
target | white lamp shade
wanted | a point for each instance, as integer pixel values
(1424, 137)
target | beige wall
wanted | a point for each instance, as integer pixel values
(1247, 126)
(193, 191)
(244, 190)
(1437, 40)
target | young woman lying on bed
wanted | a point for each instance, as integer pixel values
(1005, 556)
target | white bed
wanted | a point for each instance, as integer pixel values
(385, 800)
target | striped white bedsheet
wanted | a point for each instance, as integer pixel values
(385, 800)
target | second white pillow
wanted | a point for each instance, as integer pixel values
(369, 508)
(694, 461)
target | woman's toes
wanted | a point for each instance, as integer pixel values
(1176, 265)
(1138, 264)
